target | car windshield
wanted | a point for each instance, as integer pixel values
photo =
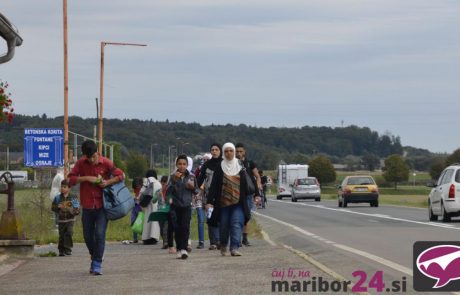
(360, 181)
(306, 181)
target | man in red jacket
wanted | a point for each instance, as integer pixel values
(94, 172)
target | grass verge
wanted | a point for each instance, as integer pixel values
(34, 209)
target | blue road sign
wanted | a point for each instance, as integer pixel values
(43, 147)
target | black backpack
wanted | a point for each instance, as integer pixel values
(148, 195)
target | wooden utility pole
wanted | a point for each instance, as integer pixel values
(66, 96)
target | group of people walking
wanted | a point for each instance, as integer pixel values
(222, 192)
(216, 190)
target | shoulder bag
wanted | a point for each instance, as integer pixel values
(249, 183)
(118, 201)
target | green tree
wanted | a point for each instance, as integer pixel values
(396, 169)
(353, 162)
(117, 156)
(437, 165)
(136, 164)
(371, 161)
(321, 168)
(454, 158)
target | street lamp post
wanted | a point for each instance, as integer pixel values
(177, 146)
(169, 158)
(152, 164)
(182, 147)
(101, 96)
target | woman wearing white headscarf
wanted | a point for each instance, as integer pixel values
(227, 196)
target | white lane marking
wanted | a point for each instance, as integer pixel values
(310, 259)
(375, 258)
(382, 215)
(267, 238)
(380, 260)
(446, 226)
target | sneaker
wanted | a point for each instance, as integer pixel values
(68, 253)
(235, 253)
(97, 268)
(172, 250)
(213, 247)
(223, 251)
(179, 255)
(184, 254)
(200, 245)
(218, 246)
(61, 254)
(246, 242)
(91, 268)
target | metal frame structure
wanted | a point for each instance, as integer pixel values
(11, 36)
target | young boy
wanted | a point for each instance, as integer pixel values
(66, 206)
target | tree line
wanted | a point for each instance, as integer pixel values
(356, 147)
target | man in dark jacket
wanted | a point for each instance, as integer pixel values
(254, 173)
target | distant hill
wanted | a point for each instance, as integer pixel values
(267, 146)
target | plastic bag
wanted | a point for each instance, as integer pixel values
(138, 224)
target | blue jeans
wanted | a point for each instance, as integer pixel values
(214, 235)
(200, 220)
(231, 225)
(250, 200)
(94, 224)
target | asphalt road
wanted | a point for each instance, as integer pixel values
(359, 237)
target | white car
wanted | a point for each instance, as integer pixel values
(306, 188)
(444, 198)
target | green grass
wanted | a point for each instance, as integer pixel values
(34, 209)
(48, 254)
(419, 201)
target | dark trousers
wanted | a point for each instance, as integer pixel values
(65, 236)
(182, 226)
(170, 229)
(94, 224)
(214, 235)
(164, 231)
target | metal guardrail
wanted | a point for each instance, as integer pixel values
(11, 36)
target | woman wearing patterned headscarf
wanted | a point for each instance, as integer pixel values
(227, 196)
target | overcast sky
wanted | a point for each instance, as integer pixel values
(390, 65)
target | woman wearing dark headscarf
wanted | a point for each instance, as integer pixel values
(227, 195)
(204, 182)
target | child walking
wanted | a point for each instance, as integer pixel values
(182, 184)
(67, 206)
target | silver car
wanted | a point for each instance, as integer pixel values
(306, 188)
